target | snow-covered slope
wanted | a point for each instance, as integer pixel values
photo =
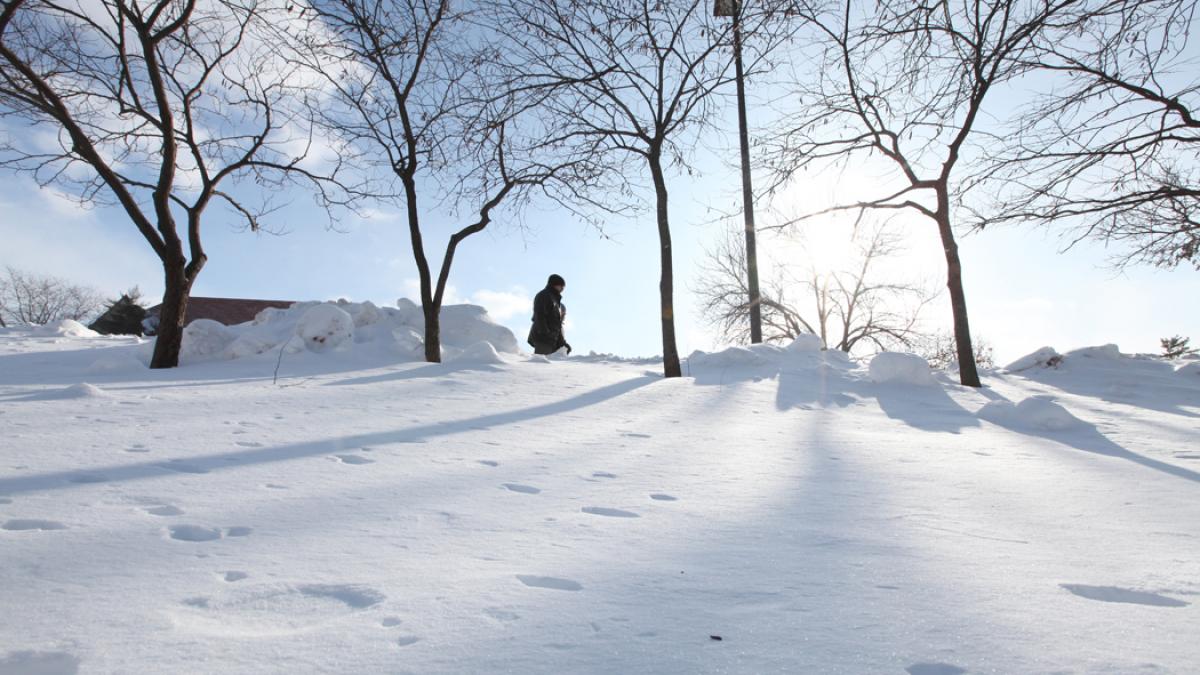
(361, 512)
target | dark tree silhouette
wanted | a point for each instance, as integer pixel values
(907, 82)
(626, 80)
(160, 108)
(1110, 149)
(415, 94)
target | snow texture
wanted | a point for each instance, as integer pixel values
(366, 512)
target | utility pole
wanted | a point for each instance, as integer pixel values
(732, 8)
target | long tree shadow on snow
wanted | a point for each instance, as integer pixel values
(1088, 438)
(228, 460)
(821, 384)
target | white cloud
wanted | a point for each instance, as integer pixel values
(504, 305)
(501, 305)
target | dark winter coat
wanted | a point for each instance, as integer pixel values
(546, 334)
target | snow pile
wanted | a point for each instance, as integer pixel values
(325, 327)
(64, 328)
(1109, 352)
(806, 343)
(900, 368)
(81, 390)
(1045, 357)
(1032, 413)
(480, 353)
(1192, 369)
(734, 357)
(342, 326)
(805, 347)
(204, 339)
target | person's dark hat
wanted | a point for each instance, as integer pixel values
(555, 280)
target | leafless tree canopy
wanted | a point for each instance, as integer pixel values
(416, 94)
(626, 80)
(847, 308)
(906, 83)
(161, 108)
(1112, 146)
(28, 299)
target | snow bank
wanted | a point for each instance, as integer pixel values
(1032, 413)
(64, 328)
(1192, 369)
(342, 326)
(899, 368)
(1045, 357)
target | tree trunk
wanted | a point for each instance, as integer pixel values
(433, 333)
(170, 316)
(666, 285)
(968, 374)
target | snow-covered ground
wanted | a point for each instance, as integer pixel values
(282, 505)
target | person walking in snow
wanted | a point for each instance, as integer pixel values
(546, 334)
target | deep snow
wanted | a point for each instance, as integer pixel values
(362, 512)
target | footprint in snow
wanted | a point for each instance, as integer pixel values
(390, 621)
(603, 474)
(276, 486)
(633, 435)
(137, 447)
(489, 462)
(234, 575)
(934, 669)
(552, 583)
(248, 444)
(525, 489)
(353, 459)
(502, 615)
(663, 497)
(165, 510)
(1115, 594)
(198, 533)
(273, 609)
(22, 524)
(50, 663)
(611, 513)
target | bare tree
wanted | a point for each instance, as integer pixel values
(906, 83)
(416, 95)
(161, 108)
(1111, 147)
(847, 308)
(32, 299)
(631, 79)
(941, 352)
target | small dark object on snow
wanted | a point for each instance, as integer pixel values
(718, 638)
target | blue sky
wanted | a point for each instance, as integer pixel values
(1022, 293)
